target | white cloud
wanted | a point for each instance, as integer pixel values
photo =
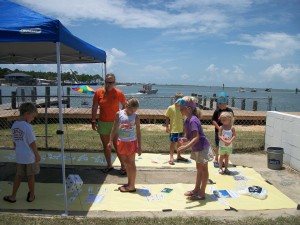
(184, 17)
(114, 56)
(270, 45)
(284, 73)
(212, 68)
(225, 75)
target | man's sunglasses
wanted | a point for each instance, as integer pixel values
(109, 82)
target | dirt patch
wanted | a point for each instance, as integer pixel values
(160, 127)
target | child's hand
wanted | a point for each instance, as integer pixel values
(182, 140)
(37, 157)
(94, 126)
(227, 142)
(167, 129)
(181, 149)
(139, 151)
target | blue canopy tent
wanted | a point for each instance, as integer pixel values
(28, 37)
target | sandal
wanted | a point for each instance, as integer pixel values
(126, 189)
(221, 171)
(171, 162)
(28, 198)
(181, 159)
(189, 193)
(227, 172)
(107, 169)
(7, 199)
(123, 171)
(195, 198)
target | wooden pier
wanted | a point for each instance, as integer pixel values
(146, 115)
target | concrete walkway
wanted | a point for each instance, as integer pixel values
(286, 180)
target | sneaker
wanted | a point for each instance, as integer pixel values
(221, 171)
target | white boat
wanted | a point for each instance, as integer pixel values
(242, 90)
(253, 90)
(147, 89)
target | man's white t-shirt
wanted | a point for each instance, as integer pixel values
(23, 136)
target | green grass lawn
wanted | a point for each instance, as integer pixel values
(155, 140)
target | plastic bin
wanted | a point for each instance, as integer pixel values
(275, 158)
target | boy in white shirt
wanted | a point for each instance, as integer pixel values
(27, 156)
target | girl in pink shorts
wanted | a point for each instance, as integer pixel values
(129, 142)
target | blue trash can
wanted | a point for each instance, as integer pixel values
(275, 158)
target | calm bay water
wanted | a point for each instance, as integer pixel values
(282, 99)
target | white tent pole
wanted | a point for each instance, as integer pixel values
(60, 131)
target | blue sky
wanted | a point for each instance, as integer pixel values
(248, 43)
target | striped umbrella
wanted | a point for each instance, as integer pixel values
(84, 89)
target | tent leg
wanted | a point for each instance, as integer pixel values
(60, 131)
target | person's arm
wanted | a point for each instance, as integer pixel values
(220, 135)
(233, 135)
(216, 125)
(215, 120)
(35, 151)
(138, 135)
(94, 115)
(113, 131)
(167, 124)
(194, 140)
(122, 100)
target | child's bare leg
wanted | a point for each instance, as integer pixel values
(217, 154)
(31, 181)
(178, 153)
(131, 171)
(221, 158)
(226, 161)
(198, 178)
(16, 186)
(204, 177)
(172, 147)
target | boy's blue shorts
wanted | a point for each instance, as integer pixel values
(175, 136)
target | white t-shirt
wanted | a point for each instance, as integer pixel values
(126, 126)
(23, 136)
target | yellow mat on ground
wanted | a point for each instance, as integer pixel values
(98, 159)
(149, 197)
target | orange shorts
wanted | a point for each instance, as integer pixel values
(127, 147)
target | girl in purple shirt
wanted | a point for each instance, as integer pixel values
(199, 143)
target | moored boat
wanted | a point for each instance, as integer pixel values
(147, 89)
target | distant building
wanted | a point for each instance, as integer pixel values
(19, 79)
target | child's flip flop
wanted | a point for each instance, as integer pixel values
(189, 193)
(107, 170)
(182, 159)
(126, 189)
(7, 199)
(196, 198)
(171, 162)
(28, 198)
